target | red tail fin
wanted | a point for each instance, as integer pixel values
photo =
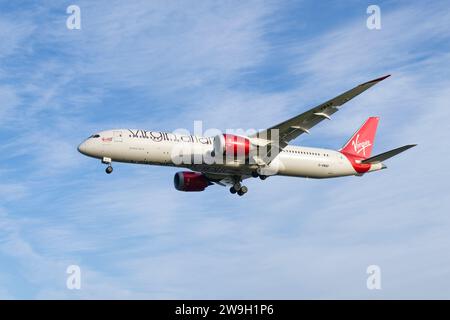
(361, 143)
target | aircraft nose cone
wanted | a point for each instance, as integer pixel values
(82, 148)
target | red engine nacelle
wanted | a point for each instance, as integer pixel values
(231, 145)
(190, 181)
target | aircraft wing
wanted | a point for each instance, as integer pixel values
(294, 127)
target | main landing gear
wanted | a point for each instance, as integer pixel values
(256, 175)
(109, 168)
(241, 190)
(237, 188)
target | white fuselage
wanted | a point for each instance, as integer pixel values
(163, 148)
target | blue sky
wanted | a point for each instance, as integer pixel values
(160, 66)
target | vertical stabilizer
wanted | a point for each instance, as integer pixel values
(361, 143)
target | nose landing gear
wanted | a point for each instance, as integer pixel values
(109, 168)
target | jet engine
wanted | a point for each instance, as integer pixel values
(231, 145)
(190, 181)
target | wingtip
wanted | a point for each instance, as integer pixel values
(384, 77)
(409, 146)
(377, 79)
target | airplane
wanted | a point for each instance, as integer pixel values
(228, 159)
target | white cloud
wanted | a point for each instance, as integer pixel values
(12, 35)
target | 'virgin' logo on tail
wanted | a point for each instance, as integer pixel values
(360, 146)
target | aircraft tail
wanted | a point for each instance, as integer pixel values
(361, 143)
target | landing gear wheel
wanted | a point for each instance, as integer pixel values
(109, 169)
(243, 189)
(233, 190)
(255, 174)
(262, 177)
(240, 193)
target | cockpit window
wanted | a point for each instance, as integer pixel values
(95, 136)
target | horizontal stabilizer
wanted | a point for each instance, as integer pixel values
(388, 154)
